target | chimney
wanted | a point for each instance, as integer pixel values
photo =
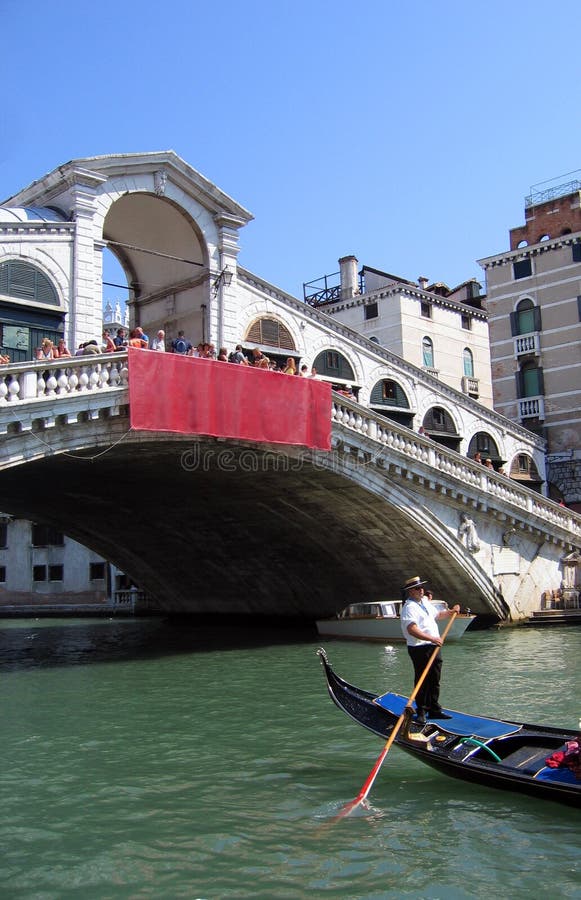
(349, 277)
(423, 282)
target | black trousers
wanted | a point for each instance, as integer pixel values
(428, 696)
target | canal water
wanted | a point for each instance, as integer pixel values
(148, 760)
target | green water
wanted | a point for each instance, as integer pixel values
(141, 760)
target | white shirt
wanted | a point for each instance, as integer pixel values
(423, 614)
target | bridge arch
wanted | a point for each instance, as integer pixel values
(322, 529)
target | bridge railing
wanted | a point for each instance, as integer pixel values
(51, 378)
(78, 376)
(486, 482)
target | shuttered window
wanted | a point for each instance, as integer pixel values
(270, 332)
(23, 281)
(389, 393)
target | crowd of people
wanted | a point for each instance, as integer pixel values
(180, 345)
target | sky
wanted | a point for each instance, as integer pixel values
(405, 133)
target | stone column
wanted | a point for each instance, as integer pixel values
(223, 318)
(87, 275)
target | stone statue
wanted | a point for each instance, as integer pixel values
(467, 534)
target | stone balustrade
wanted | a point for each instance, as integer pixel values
(33, 392)
(47, 379)
(477, 479)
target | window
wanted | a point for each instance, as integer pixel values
(522, 269)
(388, 390)
(524, 464)
(427, 353)
(2, 574)
(270, 333)
(333, 365)
(529, 381)
(426, 310)
(484, 444)
(576, 250)
(438, 417)
(97, 571)
(39, 573)
(23, 281)
(468, 363)
(46, 536)
(55, 573)
(466, 322)
(371, 311)
(3, 535)
(526, 318)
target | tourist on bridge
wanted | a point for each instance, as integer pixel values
(181, 345)
(419, 625)
(108, 342)
(158, 343)
(46, 349)
(237, 356)
(120, 340)
(62, 350)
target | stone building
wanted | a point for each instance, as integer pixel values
(534, 306)
(41, 567)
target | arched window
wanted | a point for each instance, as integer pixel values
(270, 333)
(333, 365)
(526, 318)
(439, 425)
(427, 353)
(388, 393)
(468, 360)
(484, 444)
(523, 468)
(21, 280)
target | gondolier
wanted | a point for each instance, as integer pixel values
(420, 629)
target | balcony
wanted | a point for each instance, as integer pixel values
(527, 344)
(531, 408)
(470, 386)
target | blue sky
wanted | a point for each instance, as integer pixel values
(406, 133)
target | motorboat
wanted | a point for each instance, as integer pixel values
(381, 622)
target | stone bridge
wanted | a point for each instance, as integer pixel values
(206, 525)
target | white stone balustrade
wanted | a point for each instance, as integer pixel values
(79, 387)
(57, 378)
(474, 476)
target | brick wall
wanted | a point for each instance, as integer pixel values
(553, 218)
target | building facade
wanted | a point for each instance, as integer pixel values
(534, 305)
(441, 330)
(42, 567)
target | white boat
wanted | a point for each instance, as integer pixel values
(381, 622)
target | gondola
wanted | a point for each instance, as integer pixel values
(492, 752)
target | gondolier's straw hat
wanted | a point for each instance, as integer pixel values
(413, 583)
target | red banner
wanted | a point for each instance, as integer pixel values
(183, 394)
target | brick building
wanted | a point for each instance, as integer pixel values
(534, 307)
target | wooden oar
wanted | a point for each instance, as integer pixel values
(408, 711)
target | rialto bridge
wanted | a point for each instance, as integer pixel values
(212, 525)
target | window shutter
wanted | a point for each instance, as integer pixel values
(514, 324)
(538, 325)
(519, 384)
(541, 381)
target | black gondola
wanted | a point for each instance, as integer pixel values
(492, 752)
